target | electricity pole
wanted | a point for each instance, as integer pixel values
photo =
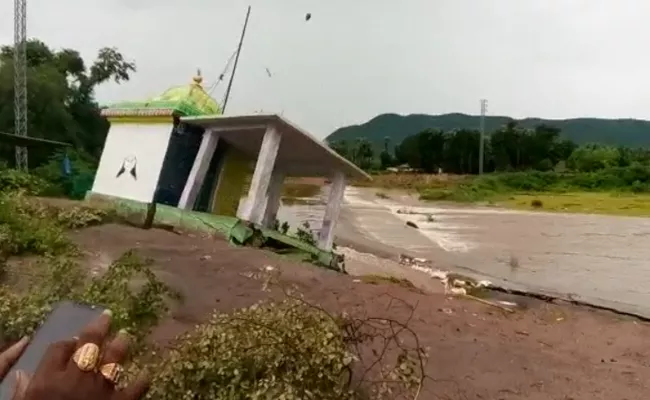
(20, 79)
(481, 149)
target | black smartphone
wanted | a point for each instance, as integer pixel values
(65, 321)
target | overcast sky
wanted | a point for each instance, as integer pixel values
(359, 58)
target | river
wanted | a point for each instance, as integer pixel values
(602, 260)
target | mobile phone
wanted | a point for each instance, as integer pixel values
(65, 321)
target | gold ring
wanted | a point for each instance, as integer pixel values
(112, 372)
(86, 357)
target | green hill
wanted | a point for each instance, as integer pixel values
(625, 132)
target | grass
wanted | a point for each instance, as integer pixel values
(411, 182)
(594, 193)
(294, 190)
(582, 202)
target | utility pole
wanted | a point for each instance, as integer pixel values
(20, 79)
(481, 149)
(234, 67)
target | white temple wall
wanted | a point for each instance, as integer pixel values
(131, 161)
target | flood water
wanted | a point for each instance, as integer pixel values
(603, 260)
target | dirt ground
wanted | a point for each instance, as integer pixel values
(548, 351)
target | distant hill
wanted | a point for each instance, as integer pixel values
(625, 132)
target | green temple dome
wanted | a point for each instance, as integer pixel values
(186, 100)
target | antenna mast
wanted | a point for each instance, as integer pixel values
(234, 68)
(20, 79)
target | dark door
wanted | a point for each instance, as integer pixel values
(179, 159)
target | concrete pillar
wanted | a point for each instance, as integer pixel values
(199, 169)
(332, 212)
(254, 211)
(273, 197)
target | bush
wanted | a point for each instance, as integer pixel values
(31, 226)
(12, 180)
(634, 178)
(286, 350)
(136, 309)
(25, 228)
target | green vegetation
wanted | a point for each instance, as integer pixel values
(510, 148)
(633, 179)
(62, 106)
(525, 168)
(286, 348)
(614, 132)
(613, 190)
(587, 203)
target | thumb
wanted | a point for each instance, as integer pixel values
(21, 383)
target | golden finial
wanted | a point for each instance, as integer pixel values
(198, 79)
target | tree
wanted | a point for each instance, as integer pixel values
(509, 148)
(386, 160)
(342, 147)
(61, 103)
(592, 157)
(359, 152)
(362, 154)
(461, 151)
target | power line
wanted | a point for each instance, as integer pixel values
(20, 79)
(481, 149)
(223, 73)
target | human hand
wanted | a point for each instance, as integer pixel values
(85, 368)
(9, 357)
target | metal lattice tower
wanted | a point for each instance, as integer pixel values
(20, 78)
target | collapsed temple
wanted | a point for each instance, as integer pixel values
(179, 150)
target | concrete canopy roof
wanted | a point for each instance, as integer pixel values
(300, 154)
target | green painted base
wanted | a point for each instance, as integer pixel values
(230, 227)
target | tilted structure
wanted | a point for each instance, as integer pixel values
(177, 149)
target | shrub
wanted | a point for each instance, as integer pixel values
(305, 234)
(287, 350)
(12, 180)
(136, 309)
(25, 228)
(31, 226)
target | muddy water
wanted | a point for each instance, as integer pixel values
(600, 259)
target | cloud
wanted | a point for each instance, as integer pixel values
(355, 59)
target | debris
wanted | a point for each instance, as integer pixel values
(489, 303)
(430, 218)
(524, 333)
(447, 311)
(459, 291)
(412, 224)
(206, 257)
(459, 283)
(406, 259)
(269, 268)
